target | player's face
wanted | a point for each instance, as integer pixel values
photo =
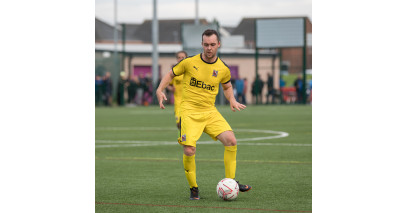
(210, 45)
(180, 57)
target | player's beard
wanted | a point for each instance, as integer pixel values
(210, 55)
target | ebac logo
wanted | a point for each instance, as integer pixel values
(200, 84)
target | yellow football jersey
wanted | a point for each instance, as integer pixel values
(201, 81)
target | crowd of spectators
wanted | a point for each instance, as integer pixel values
(136, 90)
(285, 94)
(104, 88)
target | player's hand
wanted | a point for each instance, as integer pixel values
(161, 97)
(235, 105)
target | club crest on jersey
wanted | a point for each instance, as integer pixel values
(215, 73)
(184, 137)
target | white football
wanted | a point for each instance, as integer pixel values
(227, 189)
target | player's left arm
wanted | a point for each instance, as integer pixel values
(228, 92)
(159, 91)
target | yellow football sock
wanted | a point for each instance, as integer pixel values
(190, 169)
(230, 161)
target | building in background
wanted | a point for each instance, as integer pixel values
(237, 50)
(291, 57)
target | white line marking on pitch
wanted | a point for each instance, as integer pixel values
(122, 143)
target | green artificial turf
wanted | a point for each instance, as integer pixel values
(139, 163)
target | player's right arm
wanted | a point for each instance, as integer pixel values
(164, 83)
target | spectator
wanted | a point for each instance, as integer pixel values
(299, 89)
(281, 83)
(233, 80)
(121, 88)
(131, 89)
(140, 89)
(98, 89)
(253, 93)
(261, 86)
(257, 89)
(244, 93)
(270, 89)
(107, 88)
(309, 92)
(147, 98)
(239, 85)
(281, 86)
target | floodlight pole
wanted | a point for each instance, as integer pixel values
(256, 49)
(154, 49)
(116, 69)
(197, 12)
(123, 32)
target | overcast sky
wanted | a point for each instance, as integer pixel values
(227, 12)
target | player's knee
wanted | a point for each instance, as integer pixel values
(227, 138)
(230, 141)
(189, 150)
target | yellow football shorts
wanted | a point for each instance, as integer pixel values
(177, 115)
(193, 125)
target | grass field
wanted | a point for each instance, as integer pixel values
(139, 163)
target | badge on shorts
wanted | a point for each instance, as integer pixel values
(184, 137)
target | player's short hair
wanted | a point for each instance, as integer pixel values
(210, 32)
(177, 53)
